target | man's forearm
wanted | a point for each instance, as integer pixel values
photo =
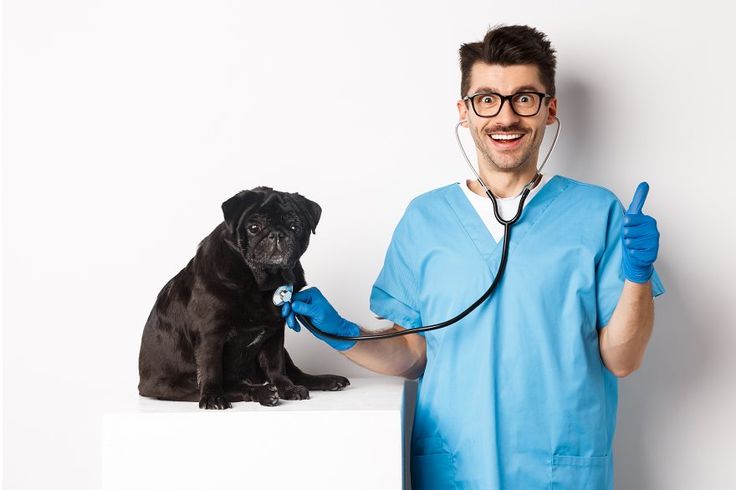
(624, 341)
(395, 356)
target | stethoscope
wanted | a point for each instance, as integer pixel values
(283, 293)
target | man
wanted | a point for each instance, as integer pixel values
(522, 392)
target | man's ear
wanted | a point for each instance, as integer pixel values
(462, 110)
(237, 206)
(310, 210)
(552, 111)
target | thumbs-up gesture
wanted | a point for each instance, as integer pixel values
(640, 239)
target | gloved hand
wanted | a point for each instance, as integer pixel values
(312, 304)
(640, 239)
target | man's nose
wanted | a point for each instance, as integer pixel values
(507, 114)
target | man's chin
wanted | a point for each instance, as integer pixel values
(508, 162)
(506, 166)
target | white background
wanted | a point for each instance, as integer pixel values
(126, 124)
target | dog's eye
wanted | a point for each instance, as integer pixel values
(254, 228)
(293, 227)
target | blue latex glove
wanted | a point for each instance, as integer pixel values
(640, 239)
(313, 305)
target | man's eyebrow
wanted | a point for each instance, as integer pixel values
(517, 89)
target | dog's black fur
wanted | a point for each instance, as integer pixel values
(214, 335)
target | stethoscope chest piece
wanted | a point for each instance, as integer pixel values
(282, 294)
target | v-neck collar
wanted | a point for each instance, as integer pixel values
(479, 233)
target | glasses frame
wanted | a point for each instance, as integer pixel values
(503, 98)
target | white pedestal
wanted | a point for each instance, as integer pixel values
(356, 438)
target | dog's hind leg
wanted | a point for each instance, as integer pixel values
(164, 389)
(319, 382)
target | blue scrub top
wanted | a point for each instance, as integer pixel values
(515, 395)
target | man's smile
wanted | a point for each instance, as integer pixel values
(506, 141)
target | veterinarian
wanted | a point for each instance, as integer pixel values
(522, 392)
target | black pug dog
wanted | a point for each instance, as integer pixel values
(214, 334)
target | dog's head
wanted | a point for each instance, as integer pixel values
(271, 228)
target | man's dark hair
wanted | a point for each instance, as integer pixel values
(510, 45)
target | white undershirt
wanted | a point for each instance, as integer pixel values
(507, 206)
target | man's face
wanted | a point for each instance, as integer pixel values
(517, 155)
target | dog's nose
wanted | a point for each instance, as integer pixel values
(276, 235)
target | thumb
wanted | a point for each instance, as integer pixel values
(639, 197)
(305, 295)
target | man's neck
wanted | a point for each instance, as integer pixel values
(503, 184)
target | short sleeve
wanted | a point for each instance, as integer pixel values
(394, 293)
(609, 269)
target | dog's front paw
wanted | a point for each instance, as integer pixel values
(214, 401)
(266, 395)
(333, 382)
(294, 392)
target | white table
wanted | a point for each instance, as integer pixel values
(357, 438)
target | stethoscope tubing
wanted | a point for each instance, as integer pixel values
(502, 266)
(507, 224)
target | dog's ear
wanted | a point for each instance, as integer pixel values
(309, 209)
(237, 206)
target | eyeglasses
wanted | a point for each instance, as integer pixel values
(489, 104)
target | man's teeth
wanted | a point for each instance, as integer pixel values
(506, 136)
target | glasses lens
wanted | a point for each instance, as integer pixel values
(526, 103)
(486, 104)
